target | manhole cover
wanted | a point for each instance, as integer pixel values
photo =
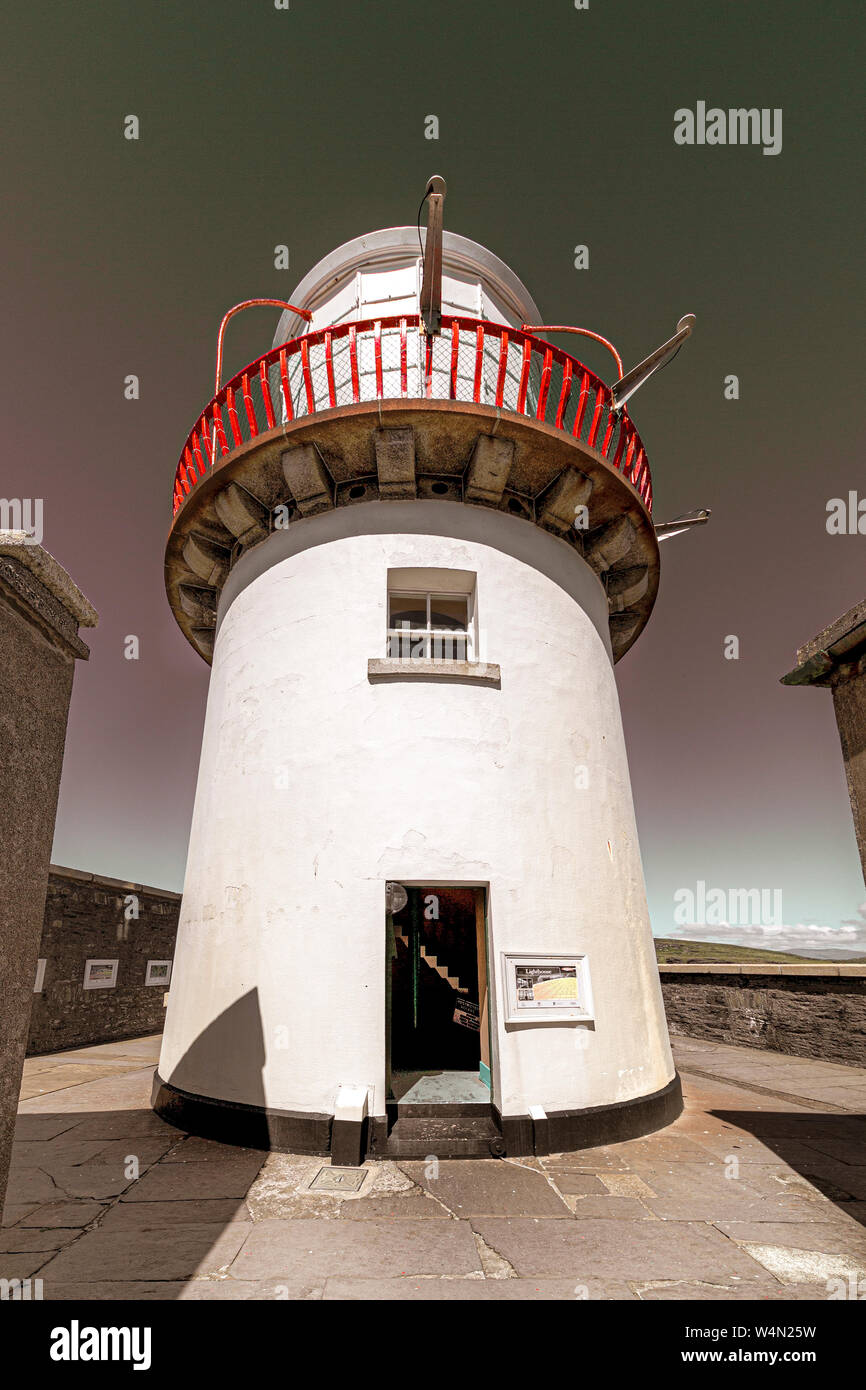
(338, 1180)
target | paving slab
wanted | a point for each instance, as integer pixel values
(839, 1181)
(576, 1183)
(31, 1185)
(489, 1187)
(474, 1290)
(627, 1185)
(630, 1250)
(609, 1208)
(193, 1291)
(146, 1148)
(313, 1249)
(23, 1239)
(126, 1290)
(64, 1152)
(124, 1124)
(44, 1127)
(184, 1181)
(692, 1291)
(13, 1212)
(176, 1253)
(845, 1237)
(664, 1147)
(189, 1148)
(23, 1266)
(57, 1078)
(71, 1215)
(92, 1180)
(847, 1150)
(613, 1157)
(120, 1092)
(736, 1206)
(129, 1050)
(237, 1290)
(411, 1207)
(792, 1265)
(770, 1180)
(143, 1216)
(702, 1192)
(34, 1065)
(805, 1292)
(289, 1206)
(685, 1179)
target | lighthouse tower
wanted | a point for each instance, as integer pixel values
(412, 539)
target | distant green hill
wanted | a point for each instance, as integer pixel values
(713, 952)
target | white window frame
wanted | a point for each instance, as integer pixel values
(428, 633)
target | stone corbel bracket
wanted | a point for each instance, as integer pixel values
(398, 450)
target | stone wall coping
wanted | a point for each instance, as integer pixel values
(80, 876)
(20, 546)
(832, 969)
(849, 626)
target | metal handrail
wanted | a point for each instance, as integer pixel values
(252, 304)
(510, 369)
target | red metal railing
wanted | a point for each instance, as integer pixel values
(388, 358)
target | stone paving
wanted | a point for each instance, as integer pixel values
(758, 1191)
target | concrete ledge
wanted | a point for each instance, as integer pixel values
(833, 969)
(424, 668)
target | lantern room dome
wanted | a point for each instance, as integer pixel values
(379, 274)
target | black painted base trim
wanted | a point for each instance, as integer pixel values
(571, 1130)
(305, 1132)
(250, 1126)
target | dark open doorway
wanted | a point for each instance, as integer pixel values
(438, 979)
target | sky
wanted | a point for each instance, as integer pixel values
(305, 127)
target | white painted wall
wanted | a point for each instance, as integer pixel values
(317, 786)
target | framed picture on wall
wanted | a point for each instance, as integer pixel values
(158, 973)
(100, 974)
(547, 989)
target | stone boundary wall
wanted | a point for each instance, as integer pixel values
(89, 917)
(805, 1010)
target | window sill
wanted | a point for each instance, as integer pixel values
(389, 668)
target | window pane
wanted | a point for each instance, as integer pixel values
(449, 611)
(407, 608)
(407, 643)
(449, 646)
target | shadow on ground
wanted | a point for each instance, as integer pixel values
(99, 1197)
(828, 1151)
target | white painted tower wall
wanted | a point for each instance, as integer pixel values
(317, 786)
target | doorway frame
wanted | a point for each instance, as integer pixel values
(484, 966)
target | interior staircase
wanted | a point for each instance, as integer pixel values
(433, 962)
